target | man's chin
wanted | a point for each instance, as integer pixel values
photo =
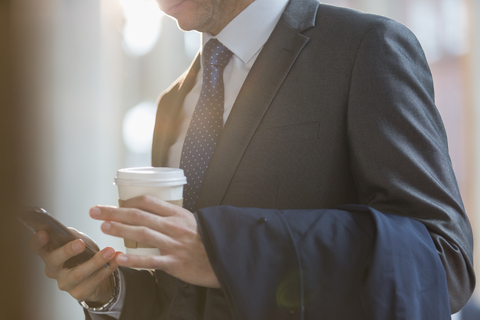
(185, 26)
(191, 24)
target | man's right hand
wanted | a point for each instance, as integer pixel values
(88, 281)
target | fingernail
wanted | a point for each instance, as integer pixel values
(122, 259)
(108, 253)
(76, 246)
(41, 238)
(95, 212)
(106, 226)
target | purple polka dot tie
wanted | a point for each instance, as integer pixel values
(207, 121)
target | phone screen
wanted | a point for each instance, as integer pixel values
(37, 219)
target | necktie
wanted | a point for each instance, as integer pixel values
(207, 121)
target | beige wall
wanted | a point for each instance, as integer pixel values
(474, 67)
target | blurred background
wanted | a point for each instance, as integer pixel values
(78, 85)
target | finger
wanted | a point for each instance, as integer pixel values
(175, 227)
(153, 205)
(85, 238)
(83, 271)
(162, 262)
(55, 259)
(135, 217)
(104, 212)
(88, 290)
(178, 222)
(140, 234)
(130, 216)
(37, 243)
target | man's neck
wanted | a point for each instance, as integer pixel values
(231, 12)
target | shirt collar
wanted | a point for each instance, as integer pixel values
(246, 34)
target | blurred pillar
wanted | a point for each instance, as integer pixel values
(69, 88)
(13, 284)
(32, 43)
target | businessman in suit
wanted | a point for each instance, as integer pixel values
(327, 107)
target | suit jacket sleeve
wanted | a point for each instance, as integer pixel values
(398, 147)
(354, 263)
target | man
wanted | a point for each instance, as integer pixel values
(322, 107)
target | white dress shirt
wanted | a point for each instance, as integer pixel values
(245, 36)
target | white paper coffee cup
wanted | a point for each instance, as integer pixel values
(161, 182)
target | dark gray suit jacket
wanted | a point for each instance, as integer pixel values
(337, 109)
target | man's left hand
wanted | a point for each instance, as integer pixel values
(170, 228)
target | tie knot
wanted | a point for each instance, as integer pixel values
(215, 53)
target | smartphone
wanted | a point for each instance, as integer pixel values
(37, 219)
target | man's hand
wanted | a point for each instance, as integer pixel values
(88, 281)
(170, 228)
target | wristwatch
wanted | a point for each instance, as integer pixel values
(114, 280)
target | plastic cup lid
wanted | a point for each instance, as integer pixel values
(151, 176)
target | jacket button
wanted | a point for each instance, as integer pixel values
(262, 220)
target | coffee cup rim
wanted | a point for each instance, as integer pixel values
(157, 176)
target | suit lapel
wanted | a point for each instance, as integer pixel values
(259, 89)
(169, 115)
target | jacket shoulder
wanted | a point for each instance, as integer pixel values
(340, 20)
